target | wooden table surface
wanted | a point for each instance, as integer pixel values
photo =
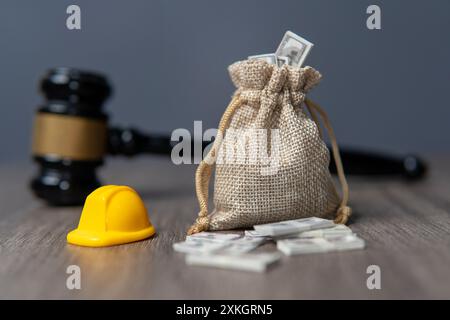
(406, 227)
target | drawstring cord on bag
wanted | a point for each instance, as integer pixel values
(344, 212)
(204, 170)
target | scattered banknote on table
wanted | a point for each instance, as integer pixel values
(336, 230)
(292, 50)
(244, 244)
(255, 234)
(214, 236)
(293, 226)
(214, 241)
(292, 237)
(225, 250)
(318, 245)
(196, 246)
(256, 262)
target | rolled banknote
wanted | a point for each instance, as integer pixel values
(295, 48)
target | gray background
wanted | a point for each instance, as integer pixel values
(167, 59)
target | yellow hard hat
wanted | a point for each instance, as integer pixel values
(112, 215)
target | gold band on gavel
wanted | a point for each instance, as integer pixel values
(70, 137)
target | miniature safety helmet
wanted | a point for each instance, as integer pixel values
(112, 215)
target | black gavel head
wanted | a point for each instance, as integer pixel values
(70, 135)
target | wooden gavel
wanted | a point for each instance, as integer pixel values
(71, 136)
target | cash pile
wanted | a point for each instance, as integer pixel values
(292, 237)
(309, 235)
(226, 250)
(292, 50)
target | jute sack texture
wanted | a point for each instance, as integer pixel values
(296, 183)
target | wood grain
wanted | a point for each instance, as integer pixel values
(406, 227)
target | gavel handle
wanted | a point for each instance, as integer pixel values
(366, 163)
(130, 142)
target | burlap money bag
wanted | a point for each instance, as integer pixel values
(300, 185)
